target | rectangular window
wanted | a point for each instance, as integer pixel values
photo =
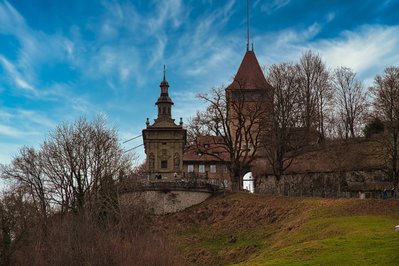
(225, 169)
(213, 168)
(190, 168)
(201, 168)
(164, 164)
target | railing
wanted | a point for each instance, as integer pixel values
(185, 184)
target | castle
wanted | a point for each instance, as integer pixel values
(328, 170)
(168, 157)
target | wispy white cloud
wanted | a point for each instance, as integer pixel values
(35, 118)
(330, 17)
(128, 44)
(188, 104)
(166, 11)
(274, 5)
(5, 115)
(367, 50)
(10, 16)
(15, 132)
(23, 84)
(36, 49)
(291, 36)
(15, 76)
(371, 47)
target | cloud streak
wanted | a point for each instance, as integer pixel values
(110, 58)
(273, 6)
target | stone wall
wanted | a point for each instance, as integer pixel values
(326, 184)
(163, 202)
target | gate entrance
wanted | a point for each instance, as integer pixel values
(248, 182)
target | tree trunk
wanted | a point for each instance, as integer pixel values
(236, 184)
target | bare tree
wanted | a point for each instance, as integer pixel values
(83, 160)
(17, 217)
(386, 103)
(76, 168)
(280, 139)
(351, 100)
(315, 90)
(196, 128)
(26, 170)
(235, 117)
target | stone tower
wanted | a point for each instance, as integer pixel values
(249, 93)
(164, 141)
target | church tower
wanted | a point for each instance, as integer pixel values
(164, 141)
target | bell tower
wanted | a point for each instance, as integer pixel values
(164, 102)
(164, 141)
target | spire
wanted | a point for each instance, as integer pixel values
(249, 74)
(247, 25)
(164, 84)
(164, 97)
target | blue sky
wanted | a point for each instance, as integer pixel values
(60, 60)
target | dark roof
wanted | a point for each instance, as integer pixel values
(249, 74)
(206, 144)
(164, 97)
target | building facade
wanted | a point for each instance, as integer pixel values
(164, 140)
(206, 159)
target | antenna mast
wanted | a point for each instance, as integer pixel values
(247, 25)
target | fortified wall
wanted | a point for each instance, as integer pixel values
(163, 197)
(371, 183)
(335, 169)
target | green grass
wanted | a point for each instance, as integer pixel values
(351, 240)
(286, 231)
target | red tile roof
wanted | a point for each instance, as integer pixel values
(249, 74)
(206, 144)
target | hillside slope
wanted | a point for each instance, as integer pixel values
(250, 229)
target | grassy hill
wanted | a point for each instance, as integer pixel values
(246, 229)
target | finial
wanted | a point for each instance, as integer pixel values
(147, 122)
(252, 47)
(164, 72)
(247, 25)
(181, 121)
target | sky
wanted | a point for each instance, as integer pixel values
(62, 60)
